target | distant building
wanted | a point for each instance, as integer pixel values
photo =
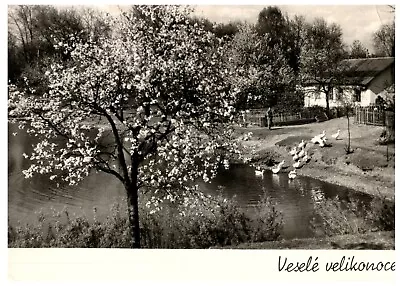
(366, 80)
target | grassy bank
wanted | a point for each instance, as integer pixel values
(383, 240)
(369, 169)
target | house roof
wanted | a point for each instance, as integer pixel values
(363, 71)
(358, 71)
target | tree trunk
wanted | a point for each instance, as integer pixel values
(133, 211)
(348, 127)
(327, 105)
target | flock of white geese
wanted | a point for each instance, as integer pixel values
(300, 155)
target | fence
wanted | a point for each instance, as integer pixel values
(370, 115)
(258, 117)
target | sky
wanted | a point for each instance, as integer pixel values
(358, 22)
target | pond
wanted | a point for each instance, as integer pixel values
(295, 199)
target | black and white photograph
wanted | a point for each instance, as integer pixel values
(268, 127)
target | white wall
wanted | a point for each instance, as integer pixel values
(378, 85)
(368, 96)
(313, 98)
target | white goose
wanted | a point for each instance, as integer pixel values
(336, 135)
(293, 151)
(292, 174)
(322, 135)
(306, 158)
(295, 157)
(314, 139)
(260, 173)
(276, 169)
(302, 153)
(321, 143)
(297, 164)
(302, 144)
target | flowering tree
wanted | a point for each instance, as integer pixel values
(149, 105)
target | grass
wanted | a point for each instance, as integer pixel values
(383, 240)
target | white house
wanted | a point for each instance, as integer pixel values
(367, 79)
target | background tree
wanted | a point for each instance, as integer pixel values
(94, 23)
(260, 70)
(272, 22)
(321, 58)
(158, 88)
(22, 19)
(292, 100)
(358, 50)
(281, 33)
(384, 42)
(36, 30)
(15, 63)
(220, 30)
(284, 38)
(227, 30)
(296, 39)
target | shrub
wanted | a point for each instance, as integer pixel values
(200, 221)
(338, 217)
(194, 221)
(381, 214)
(267, 221)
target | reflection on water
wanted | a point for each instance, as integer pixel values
(295, 199)
(26, 196)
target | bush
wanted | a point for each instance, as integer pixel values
(267, 222)
(340, 111)
(338, 217)
(199, 221)
(316, 112)
(290, 101)
(381, 214)
(59, 229)
(194, 221)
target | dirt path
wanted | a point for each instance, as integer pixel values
(369, 169)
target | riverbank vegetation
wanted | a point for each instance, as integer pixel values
(200, 221)
(197, 221)
(338, 217)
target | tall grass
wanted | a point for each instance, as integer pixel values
(338, 217)
(195, 221)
